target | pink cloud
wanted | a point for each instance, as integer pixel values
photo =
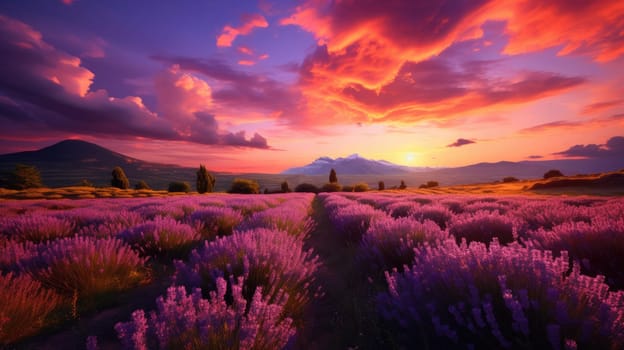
(250, 22)
(47, 91)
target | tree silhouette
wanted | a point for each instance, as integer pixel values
(333, 178)
(119, 179)
(205, 181)
(25, 176)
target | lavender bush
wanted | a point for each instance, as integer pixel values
(266, 258)
(25, 307)
(389, 243)
(36, 228)
(184, 321)
(502, 297)
(87, 266)
(162, 237)
(214, 222)
(483, 226)
(353, 220)
(598, 247)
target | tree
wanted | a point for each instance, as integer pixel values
(333, 178)
(402, 186)
(119, 179)
(381, 186)
(552, 173)
(205, 180)
(25, 176)
(285, 187)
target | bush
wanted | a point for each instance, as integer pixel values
(381, 186)
(553, 173)
(142, 185)
(483, 226)
(24, 177)
(37, 228)
(85, 183)
(501, 297)
(347, 188)
(24, 308)
(119, 179)
(244, 186)
(205, 180)
(215, 221)
(331, 187)
(510, 179)
(429, 184)
(87, 267)
(271, 259)
(184, 321)
(360, 187)
(179, 186)
(163, 237)
(306, 187)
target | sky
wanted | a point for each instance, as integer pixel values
(262, 86)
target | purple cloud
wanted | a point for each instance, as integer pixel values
(460, 142)
(44, 90)
(613, 148)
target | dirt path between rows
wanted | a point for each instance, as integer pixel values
(344, 318)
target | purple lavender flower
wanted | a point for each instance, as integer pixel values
(163, 237)
(529, 288)
(184, 320)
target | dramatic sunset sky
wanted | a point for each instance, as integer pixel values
(261, 86)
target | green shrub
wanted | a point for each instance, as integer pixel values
(24, 177)
(205, 180)
(331, 187)
(510, 179)
(429, 184)
(552, 173)
(142, 185)
(306, 187)
(119, 179)
(381, 186)
(244, 186)
(347, 188)
(360, 187)
(179, 186)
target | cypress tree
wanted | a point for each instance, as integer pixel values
(119, 179)
(205, 180)
(333, 178)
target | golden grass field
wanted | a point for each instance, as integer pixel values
(590, 187)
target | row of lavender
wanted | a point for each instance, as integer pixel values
(501, 272)
(59, 258)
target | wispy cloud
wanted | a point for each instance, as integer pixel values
(249, 23)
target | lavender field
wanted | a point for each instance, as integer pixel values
(299, 271)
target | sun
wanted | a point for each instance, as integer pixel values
(409, 157)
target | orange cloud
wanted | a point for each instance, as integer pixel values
(250, 22)
(593, 28)
(377, 61)
(246, 62)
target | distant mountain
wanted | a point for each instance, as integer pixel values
(351, 165)
(68, 162)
